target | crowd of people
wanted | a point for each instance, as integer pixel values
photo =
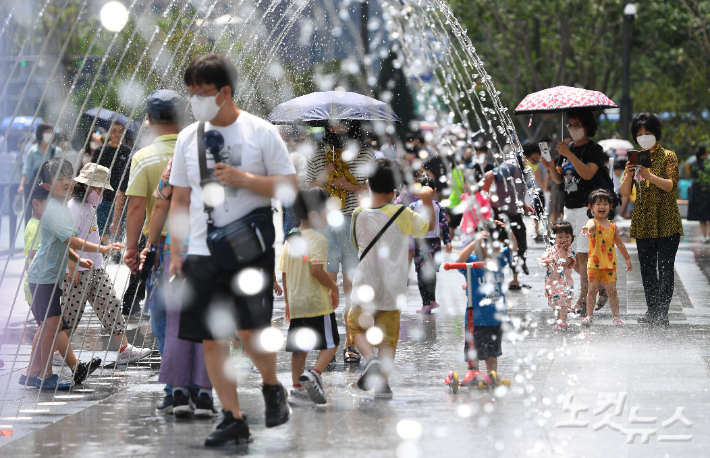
(199, 219)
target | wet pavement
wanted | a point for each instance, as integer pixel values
(636, 391)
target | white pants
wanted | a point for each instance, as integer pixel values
(578, 218)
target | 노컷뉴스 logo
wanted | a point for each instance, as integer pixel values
(610, 406)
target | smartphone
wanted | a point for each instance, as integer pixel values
(545, 151)
(148, 264)
(640, 158)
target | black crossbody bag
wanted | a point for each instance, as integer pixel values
(243, 241)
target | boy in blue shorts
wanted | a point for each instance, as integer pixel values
(487, 308)
(47, 271)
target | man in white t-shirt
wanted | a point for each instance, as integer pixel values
(216, 303)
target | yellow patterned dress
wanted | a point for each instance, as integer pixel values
(656, 213)
(342, 170)
(601, 266)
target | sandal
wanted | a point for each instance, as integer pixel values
(518, 287)
(603, 299)
(351, 355)
(579, 311)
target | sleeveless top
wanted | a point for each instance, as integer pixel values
(602, 251)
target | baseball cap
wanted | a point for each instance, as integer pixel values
(165, 104)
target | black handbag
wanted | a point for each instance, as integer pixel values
(243, 241)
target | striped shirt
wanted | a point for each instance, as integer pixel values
(359, 167)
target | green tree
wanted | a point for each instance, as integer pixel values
(392, 88)
(529, 45)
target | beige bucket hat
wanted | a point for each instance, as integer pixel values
(95, 176)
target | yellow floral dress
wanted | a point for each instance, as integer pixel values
(601, 266)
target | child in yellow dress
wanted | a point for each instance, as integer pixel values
(601, 267)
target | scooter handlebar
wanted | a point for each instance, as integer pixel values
(463, 265)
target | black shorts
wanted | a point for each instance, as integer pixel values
(454, 218)
(487, 341)
(324, 327)
(213, 306)
(46, 301)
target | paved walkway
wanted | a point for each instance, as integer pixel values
(650, 373)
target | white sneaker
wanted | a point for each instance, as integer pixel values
(131, 354)
(312, 383)
(57, 359)
(299, 398)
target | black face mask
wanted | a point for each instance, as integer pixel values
(336, 140)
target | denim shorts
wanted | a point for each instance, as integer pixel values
(341, 251)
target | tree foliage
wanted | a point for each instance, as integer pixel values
(530, 45)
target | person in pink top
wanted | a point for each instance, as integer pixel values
(477, 208)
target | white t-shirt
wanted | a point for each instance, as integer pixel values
(85, 221)
(419, 208)
(380, 281)
(250, 144)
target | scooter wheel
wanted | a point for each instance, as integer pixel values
(454, 385)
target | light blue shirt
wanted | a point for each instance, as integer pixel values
(34, 160)
(50, 262)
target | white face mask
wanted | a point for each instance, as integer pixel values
(577, 133)
(646, 141)
(205, 109)
(47, 137)
(94, 145)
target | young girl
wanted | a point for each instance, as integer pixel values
(94, 285)
(601, 267)
(560, 261)
(427, 251)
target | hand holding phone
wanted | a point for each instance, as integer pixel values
(545, 151)
(148, 263)
(640, 158)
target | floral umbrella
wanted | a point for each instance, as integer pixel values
(563, 98)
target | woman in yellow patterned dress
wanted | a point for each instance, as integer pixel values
(601, 267)
(655, 223)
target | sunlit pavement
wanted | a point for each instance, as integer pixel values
(605, 391)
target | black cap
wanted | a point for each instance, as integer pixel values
(165, 104)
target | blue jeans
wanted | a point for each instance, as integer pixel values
(104, 218)
(156, 302)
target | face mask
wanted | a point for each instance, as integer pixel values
(205, 109)
(646, 141)
(532, 166)
(47, 137)
(337, 140)
(577, 133)
(94, 145)
(94, 198)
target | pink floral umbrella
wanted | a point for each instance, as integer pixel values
(563, 98)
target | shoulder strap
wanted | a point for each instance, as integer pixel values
(204, 173)
(382, 231)
(51, 151)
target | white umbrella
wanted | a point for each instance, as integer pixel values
(619, 146)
